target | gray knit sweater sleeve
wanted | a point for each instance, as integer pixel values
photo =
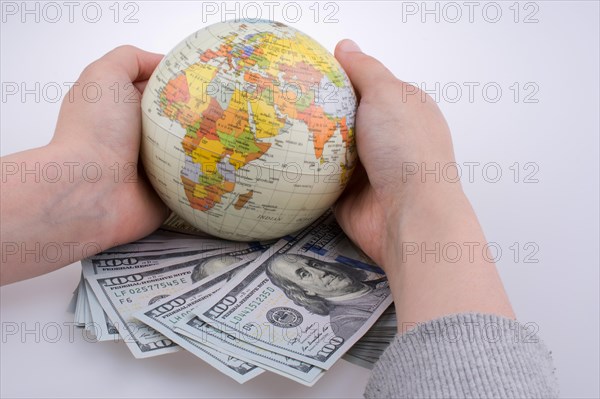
(465, 356)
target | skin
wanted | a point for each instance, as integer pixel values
(79, 215)
(315, 281)
(380, 211)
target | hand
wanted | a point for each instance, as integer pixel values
(384, 207)
(397, 126)
(101, 198)
(108, 131)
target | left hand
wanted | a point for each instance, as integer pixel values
(99, 197)
(100, 121)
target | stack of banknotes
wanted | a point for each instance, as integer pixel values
(293, 307)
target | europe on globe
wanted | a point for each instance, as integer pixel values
(248, 130)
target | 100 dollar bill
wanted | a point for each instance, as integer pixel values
(108, 262)
(301, 299)
(195, 328)
(163, 315)
(122, 294)
(150, 251)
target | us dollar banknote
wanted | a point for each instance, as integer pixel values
(122, 294)
(136, 256)
(308, 297)
(79, 297)
(367, 351)
(176, 224)
(163, 315)
(89, 314)
(195, 328)
(147, 252)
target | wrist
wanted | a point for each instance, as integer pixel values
(51, 214)
(82, 188)
(124, 205)
(411, 219)
(436, 258)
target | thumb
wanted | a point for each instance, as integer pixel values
(137, 63)
(367, 74)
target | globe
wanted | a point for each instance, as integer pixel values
(248, 130)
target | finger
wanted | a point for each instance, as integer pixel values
(366, 73)
(141, 85)
(357, 182)
(137, 63)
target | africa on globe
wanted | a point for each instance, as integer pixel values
(248, 130)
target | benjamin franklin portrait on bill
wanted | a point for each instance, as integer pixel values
(342, 292)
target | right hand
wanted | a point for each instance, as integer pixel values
(385, 208)
(396, 125)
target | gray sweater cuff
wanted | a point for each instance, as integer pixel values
(465, 356)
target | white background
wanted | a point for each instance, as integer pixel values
(557, 55)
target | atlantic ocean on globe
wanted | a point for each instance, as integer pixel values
(248, 130)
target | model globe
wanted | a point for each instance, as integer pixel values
(248, 130)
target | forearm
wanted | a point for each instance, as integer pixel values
(438, 264)
(83, 192)
(51, 211)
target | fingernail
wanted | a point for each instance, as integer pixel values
(349, 46)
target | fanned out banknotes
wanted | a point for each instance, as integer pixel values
(293, 307)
